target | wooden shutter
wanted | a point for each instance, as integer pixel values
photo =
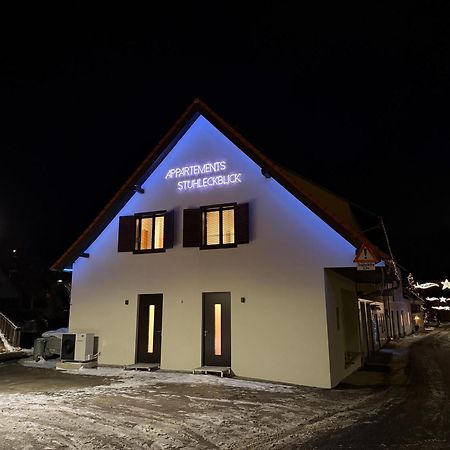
(192, 227)
(127, 234)
(241, 228)
(168, 229)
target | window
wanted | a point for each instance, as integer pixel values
(216, 226)
(149, 232)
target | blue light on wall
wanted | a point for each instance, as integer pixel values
(202, 154)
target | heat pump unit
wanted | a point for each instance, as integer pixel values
(77, 347)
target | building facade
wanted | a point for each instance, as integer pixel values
(213, 255)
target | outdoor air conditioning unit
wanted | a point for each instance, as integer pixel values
(77, 347)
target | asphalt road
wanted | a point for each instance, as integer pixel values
(416, 413)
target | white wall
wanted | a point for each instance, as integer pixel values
(401, 304)
(341, 293)
(279, 333)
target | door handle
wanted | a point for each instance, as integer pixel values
(205, 332)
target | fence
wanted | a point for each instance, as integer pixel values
(10, 331)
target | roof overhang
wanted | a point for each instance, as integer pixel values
(379, 276)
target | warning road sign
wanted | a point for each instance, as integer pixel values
(366, 255)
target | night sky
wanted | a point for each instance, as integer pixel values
(357, 100)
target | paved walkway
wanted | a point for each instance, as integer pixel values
(386, 366)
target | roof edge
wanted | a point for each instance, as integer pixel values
(165, 144)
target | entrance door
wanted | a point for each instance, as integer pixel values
(148, 348)
(216, 329)
(363, 329)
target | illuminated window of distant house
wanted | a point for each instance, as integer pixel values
(218, 226)
(149, 232)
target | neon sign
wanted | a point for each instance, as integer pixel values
(203, 182)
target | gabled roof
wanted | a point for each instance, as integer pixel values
(334, 210)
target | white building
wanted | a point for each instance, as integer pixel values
(213, 255)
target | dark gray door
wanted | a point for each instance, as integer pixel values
(148, 348)
(216, 329)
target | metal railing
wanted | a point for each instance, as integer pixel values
(10, 330)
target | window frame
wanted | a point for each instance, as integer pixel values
(138, 224)
(219, 207)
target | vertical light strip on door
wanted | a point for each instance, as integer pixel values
(217, 329)
(151, 327)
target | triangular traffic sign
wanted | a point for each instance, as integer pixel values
(365, 255)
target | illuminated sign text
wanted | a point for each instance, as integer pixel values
(203, 182)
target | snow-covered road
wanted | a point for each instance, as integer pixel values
(420, 419)
(117, 409)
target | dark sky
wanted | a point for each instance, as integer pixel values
(356, 100)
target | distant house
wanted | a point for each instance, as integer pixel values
(212, 254)
(417, 306)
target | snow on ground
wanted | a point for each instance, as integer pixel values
(41, 363)
(135, 378)
(57, 332)
(127, 409)
(5, 344)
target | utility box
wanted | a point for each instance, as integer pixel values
(77, 347)
(84, 347)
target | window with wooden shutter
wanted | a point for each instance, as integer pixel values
(216, 226)
(148, 232)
